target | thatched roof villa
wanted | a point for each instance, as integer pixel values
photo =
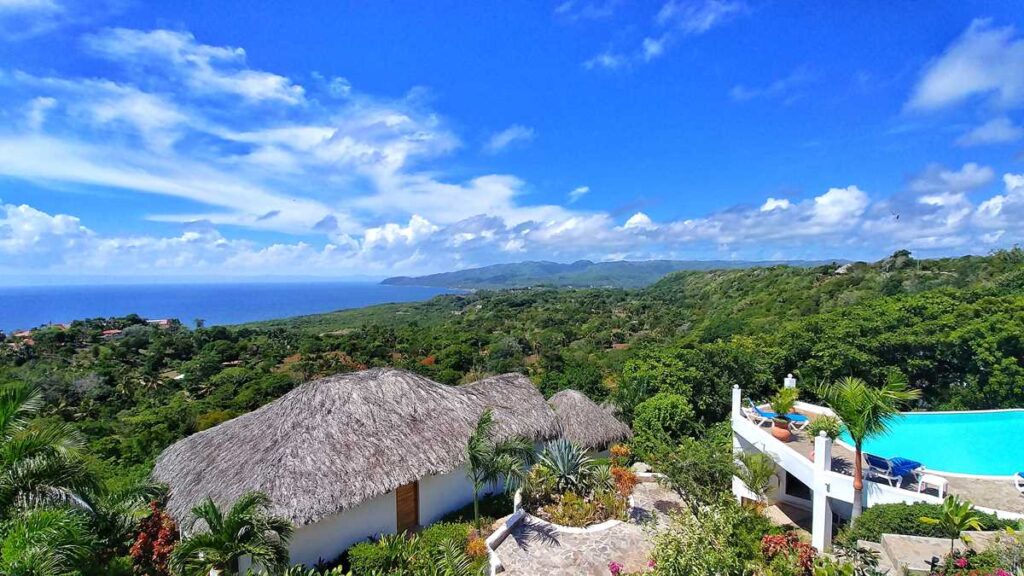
(586, 424)
(353, 455)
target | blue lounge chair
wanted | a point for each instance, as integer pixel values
(760, 417)
(798, 421)
(892, 470)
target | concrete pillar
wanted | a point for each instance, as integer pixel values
(737, 402)
(821, 513)
(737, 399)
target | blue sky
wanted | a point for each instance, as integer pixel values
(147, 140)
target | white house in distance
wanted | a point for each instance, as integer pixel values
(352, 456)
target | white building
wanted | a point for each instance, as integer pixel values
(811, 485)
(352, 456)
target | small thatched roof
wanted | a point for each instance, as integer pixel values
(333, 443)
(586, 424)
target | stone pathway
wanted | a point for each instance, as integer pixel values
(536, 548)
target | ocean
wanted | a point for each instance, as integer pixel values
(30, 306)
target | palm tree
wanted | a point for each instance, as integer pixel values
(45, 542)
(491, 461)
(248, 529)
(955, 517)
(866, 412)
(756, 470)
(39, 463)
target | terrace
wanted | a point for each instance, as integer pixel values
(815, 474)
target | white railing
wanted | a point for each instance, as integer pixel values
(825, 484)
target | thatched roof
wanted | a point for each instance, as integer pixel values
(332, 443)
(585, 423)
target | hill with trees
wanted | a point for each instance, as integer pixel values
(954, 327)
(579, 274)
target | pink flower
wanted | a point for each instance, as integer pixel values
(961, 562)
(651, 564)
(615, 568)
(1001, 572)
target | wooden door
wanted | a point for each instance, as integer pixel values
(407, 501)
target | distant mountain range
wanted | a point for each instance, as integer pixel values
(579, 274)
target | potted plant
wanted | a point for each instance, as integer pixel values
(782, 402)
(830, 425)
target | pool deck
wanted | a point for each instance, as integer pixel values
(995, 493)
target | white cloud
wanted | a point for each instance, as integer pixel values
(780, 88)
(985, 61)
(639, 221)
(999, 130)
(936, 178)
(578, 192)
(511, 135)
(775, 204)
(654, 47)
(675, 19)
(606, 60)
(204, 67)
(579, 10)
(699, 16)
(840, 205)
(37, 110)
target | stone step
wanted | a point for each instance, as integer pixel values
(885, 565)
(914, 553)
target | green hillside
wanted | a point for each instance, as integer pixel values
(580, 274)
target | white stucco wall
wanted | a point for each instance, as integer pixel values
(444, 493)
(328, 538)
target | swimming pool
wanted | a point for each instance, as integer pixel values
(984, 443)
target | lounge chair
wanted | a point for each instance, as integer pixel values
(760, 417)
(797, 422)
(1018, 481)
(892, 470)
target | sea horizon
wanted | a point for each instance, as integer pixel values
(215, 303)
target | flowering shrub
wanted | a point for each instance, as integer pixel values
(152, 547)
(972, 563)
(476, 547)
(620, 455)
(787, 550)
(625, 480)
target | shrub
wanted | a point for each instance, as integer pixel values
(476, 547)
(572, 510)
(905, 519)
(366, 557)
(660, 421)
(625, 480)
(711, 540)
(621, 455)
(435, 535)
(830, 425)
(787, 553)
(156, 539)
(700, 469)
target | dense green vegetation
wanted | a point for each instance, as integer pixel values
(579, 274)
(123, 389)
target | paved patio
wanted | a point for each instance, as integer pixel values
(536, 548)
(990, 493)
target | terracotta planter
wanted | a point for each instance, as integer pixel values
(781, 431)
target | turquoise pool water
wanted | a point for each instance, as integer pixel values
(983, 443)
